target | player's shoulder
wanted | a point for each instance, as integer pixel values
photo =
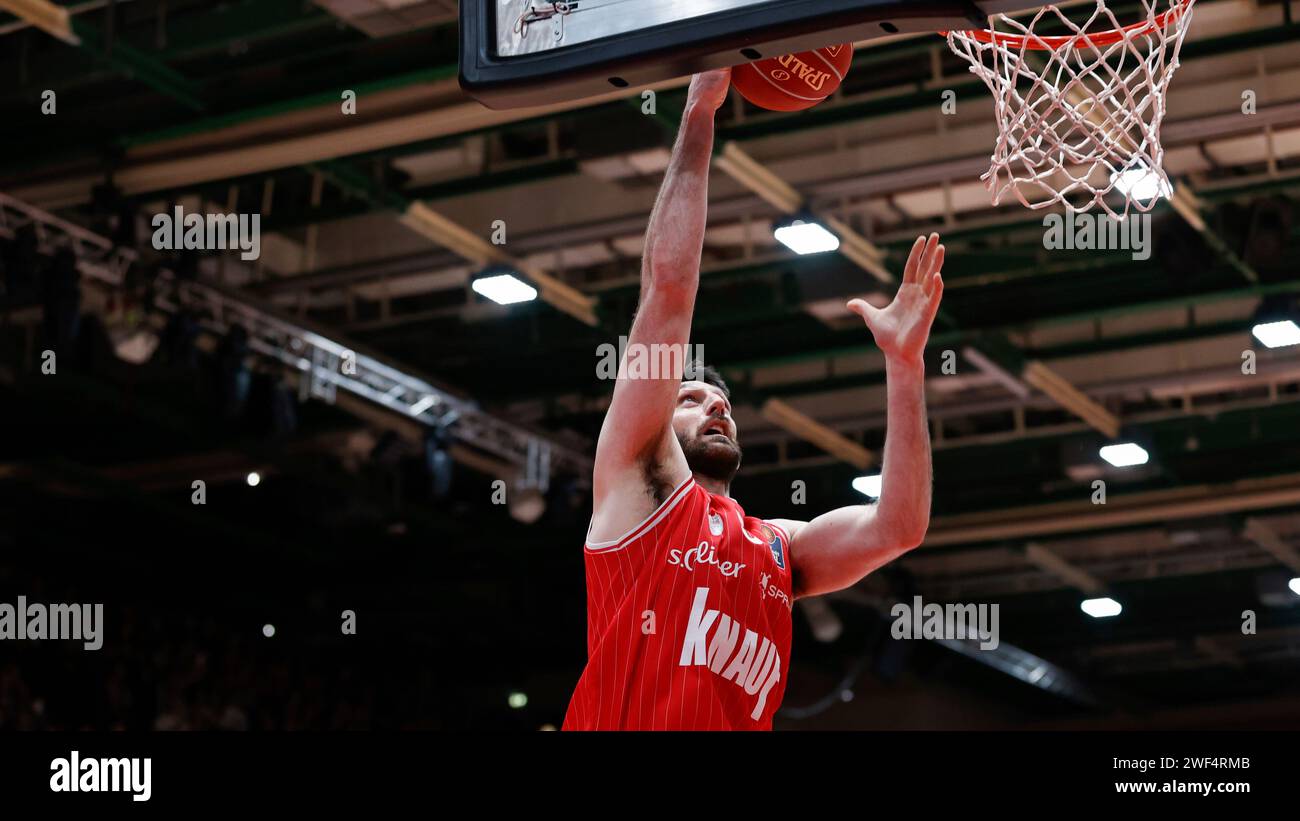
(787, 528)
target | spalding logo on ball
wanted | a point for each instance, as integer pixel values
(796, 81)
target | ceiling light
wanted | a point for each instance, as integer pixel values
(806, 236)
(1125, 455)
(504, 289)
(868, 485)
(1278, 334)
(1102, 608)
(1141, 183)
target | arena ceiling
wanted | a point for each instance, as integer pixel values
(236, 106)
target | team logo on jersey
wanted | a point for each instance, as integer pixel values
(715, 524)
(774, 543)
(715, 640)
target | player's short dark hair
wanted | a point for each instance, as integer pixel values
(708, 375)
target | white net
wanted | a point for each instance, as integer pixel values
(1079, 105)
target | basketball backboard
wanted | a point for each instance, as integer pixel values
(517, 53)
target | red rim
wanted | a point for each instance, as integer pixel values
(1104, 38)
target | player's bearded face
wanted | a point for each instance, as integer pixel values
(703, 424)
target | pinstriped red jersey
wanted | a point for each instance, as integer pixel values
(688, 621)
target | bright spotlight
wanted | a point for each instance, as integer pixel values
(806, 237)
(1102, 608)
(1125, 455)
(504, 289)
(1141, 183)
(868, 485)
(1279, 334)
(254, 479)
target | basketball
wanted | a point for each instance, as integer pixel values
(796, 81)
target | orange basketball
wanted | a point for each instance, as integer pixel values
(796, 81)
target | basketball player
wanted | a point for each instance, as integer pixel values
(688, 598)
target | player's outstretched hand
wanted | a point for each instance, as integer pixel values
(902, 328)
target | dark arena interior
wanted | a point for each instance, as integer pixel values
(327, 484)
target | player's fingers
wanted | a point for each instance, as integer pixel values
(936, 259)
(927, 258)
(913, 261)
(936, 297)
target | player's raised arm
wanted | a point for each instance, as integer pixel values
(636, 439)
(838, 548)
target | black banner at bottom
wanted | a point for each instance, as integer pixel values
(127, 772)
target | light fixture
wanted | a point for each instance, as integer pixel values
(1141, 183)
(1101, 608)
(1276, 321)
(805, 235)
(1125, 454)
(268, 630)
(1279, 334)
(503, 286)
(868, 485)
(253, 478)
(517, 701)
(1294, 584)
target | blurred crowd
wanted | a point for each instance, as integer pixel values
(193, 676)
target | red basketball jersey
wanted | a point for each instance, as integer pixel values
(688, 621)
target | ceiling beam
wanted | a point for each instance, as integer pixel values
(1150, 507)
(1046, 560)
(810, 430)
(428, 223)
(44, 15)
(1071, 398)
(1266, 538)
(747, 171)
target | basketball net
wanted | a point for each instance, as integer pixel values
(1079, 113)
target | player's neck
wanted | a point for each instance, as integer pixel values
(715, 486)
